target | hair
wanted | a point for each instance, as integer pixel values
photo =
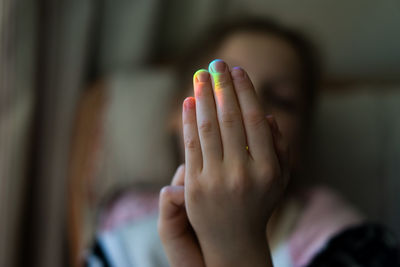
(205, 47)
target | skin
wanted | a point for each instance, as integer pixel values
(180, 242)
(274, 69)
(220, 174)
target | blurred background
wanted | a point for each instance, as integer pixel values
(84, 96)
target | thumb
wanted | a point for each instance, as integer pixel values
(172, 200)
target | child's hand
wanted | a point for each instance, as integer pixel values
(231, 191)
(179, 241)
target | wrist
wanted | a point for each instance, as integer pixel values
(255, 254)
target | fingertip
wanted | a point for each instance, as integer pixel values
(202, 75)
(170, 193)
(238, 73)
(179, 176)
(189, 103)
(163, 198)
(181, 167)
(270, 119)
(171, 199)
(273, 124)
(217, 66)
(164, 191)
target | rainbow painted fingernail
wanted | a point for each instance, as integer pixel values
(217, 66)
(201, 75)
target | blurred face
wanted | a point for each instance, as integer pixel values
(274, 68)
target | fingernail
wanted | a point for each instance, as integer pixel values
(273, 124)
(201, 75)
(276, 127)
(237, 73)
(189, 103)
(217, 66)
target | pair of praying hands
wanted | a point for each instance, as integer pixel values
(236, 168)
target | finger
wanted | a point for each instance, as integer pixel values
(275, 134)
(281, 148)
(228, 111)
(193, 156)
(172, 201)
(259, 137)
(207, 123)
(179, 176)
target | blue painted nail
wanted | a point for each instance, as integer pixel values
(217, 66)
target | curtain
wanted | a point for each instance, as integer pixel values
(43, 51)
(49, 51)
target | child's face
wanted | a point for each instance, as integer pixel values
(274, 68)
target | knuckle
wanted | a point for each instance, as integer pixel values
(194, 193)
(240, 180)
(255, 118)
(213, 183)
(240, 186)
(269, 171)
(222, 82)
(239, 171)
(205, 127)
(165, 193)
(160, 229)
(163, 230)
(229, 118)
(242, 86)
(191, 143)
(188, 120)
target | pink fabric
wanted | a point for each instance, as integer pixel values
(325, 214)
(128, 208)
